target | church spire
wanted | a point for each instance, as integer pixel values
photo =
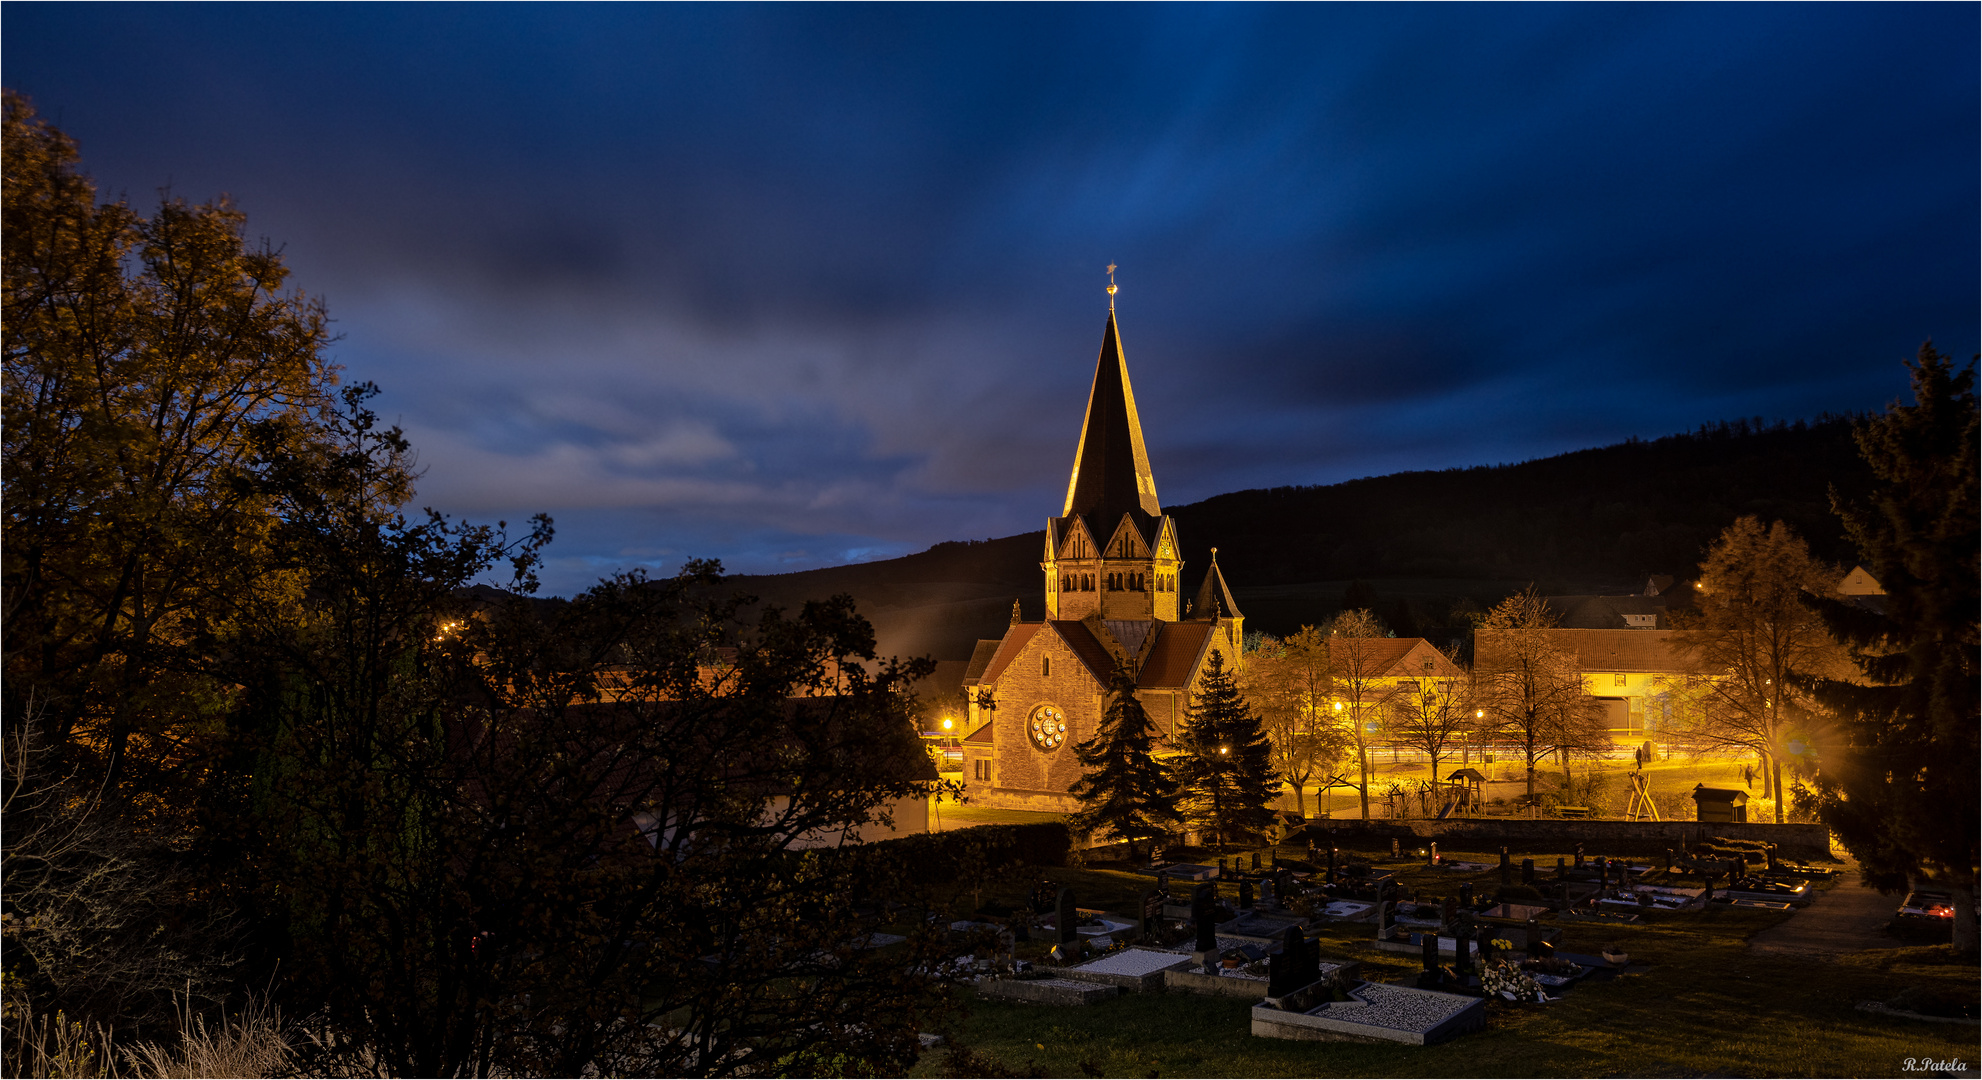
(1111, 468)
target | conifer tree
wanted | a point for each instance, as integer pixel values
(1125, 789)
(1901, 793)
(1226, 770)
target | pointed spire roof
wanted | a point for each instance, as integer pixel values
(1111, 469)
(1214, 600)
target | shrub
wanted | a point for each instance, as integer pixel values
(940, 858)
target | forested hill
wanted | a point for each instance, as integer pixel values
(1591, 517)
(1583, 521)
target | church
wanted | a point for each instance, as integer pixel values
(1112, 573)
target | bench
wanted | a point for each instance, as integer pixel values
(1574, 812)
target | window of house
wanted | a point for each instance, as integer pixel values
(1045, 667)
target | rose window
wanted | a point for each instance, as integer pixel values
(1047, 728)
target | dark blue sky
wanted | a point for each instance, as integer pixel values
(793, 285)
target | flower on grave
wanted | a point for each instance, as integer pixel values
(1503, 945)
(1505, 977)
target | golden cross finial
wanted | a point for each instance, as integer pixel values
(1111, 286)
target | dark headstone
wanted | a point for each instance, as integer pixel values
(1222, 872)
(1204, 900)
(1152, 910)
(1207, 932)
(1267, 899)
(1506, 867)
(1383, 920)
(1770, 851)
(1527, 871)
(1066, 918)
(1561, 869)
(1448, 909)
(1255, 862)
(1163, 883)
(1294, 966)
(1484, 937)
(1462, 938)
(1532, 935)
(1603, 874)
(1396, 849)
(1428, 942)
(1579, 854)
(1245, 895)
(1331, 865)
(1465, 894)
(1311, 849)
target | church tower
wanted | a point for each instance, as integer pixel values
(1112, 552)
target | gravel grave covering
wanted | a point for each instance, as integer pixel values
(1136, 962)
(1398, 1007)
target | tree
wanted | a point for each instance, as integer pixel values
(1750, 634)
(1431, 715)
(1531, 690)
(150, 362)
(1356, 658)
(152, 367)
(1126, 790)
(1901, 792)
(546, 837)
(1225, 770)
(1289, 683)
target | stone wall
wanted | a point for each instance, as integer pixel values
(1796, 841)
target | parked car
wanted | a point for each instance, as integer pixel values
(1926, 908)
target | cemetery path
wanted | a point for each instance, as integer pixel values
(1849, 918)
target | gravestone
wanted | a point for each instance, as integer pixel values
(1207, 933)
(1428, 943)
(1311, 849)
(1204, 900)
(1462, 938)
(1383, 923)
(1670, 860)
(1506, 867)
(1255, 862)
(1579, 854)
(1066, 918)
(1432, 859)
(1603, 875)
(1396, 849)
(1044, 895)
(1448, 909)
(1485, 939)
(1561, 870)
(1152, 910)
(1245, 895)
(1331, 865)
(1222, 872)
(1163, 883)
(1266, 896)
(1465, 894)
(1527, 871)
(1531, 937)
(1297, 964)
(1770, 852)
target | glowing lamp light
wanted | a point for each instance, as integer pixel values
(1338, 706)
(948, 723)
(1224, 750)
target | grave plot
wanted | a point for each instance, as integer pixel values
(1138, 970)
(1376, 1011)
(1781, 892)
(1347, 910)
(1046, 991)
(1259, 925)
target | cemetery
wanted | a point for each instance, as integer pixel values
(1253, 964)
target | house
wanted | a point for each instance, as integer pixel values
(1628, 671)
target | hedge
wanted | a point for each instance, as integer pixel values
(938, 857)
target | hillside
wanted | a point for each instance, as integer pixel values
(1432, 545)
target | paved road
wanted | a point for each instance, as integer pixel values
(1848, 918)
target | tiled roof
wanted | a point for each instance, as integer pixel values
(1008, 650)
(980, 737)
(1173, 660)
(1603, 612)
(1592, 650)
(1093, 654)
(980, 660)
(1214, 590)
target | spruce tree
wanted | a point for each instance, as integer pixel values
(1226, 768)
(1901, 793)
(1125, 789)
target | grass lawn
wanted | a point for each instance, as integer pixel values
(1706, 1007)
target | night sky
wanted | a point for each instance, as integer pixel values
(794, 286)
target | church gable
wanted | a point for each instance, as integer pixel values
(1127, 542)
(1076, 541)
